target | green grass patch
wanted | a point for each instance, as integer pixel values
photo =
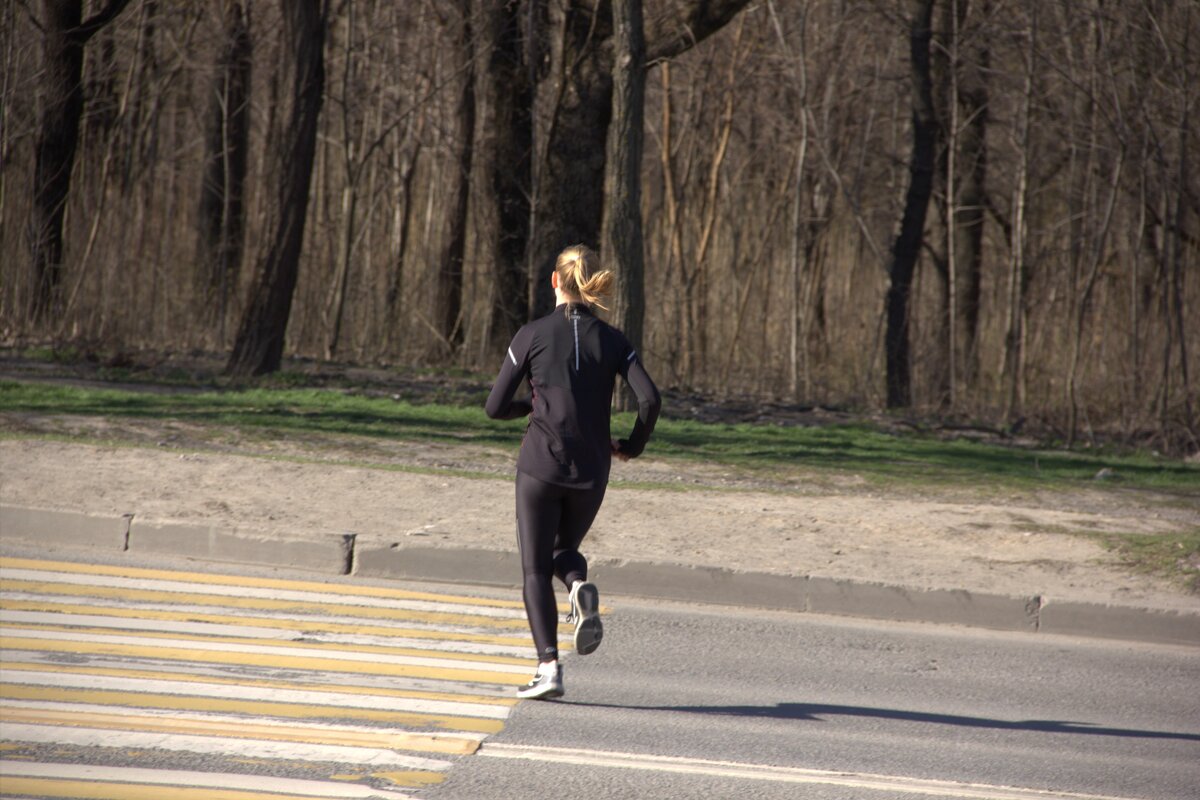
(913, 459)
(1175, 556)
(265, 411)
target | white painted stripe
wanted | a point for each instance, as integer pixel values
(289, 751)
(127, 623)
(217, 745)
(280, 652)
(252, 613)
(265, 694)
(514, 358)
(253, 632)
(337, 790)
(268, 673)
(763, 772)
(234, 720)
(180, 587)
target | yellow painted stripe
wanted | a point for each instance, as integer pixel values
(284, 644)
(241, 580)
(70, 669)
(253, 708)
(421, 743)
(260, 622)
(263, 660)
(258, 603)
(411, 778)
(90, 790)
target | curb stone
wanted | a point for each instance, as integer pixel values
(329, 553)
(347, 554)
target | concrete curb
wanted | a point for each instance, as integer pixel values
(329, 554)
(343, 554)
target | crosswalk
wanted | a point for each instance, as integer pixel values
(124, 682)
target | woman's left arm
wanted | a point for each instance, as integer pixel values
(500, 403)
(649, 404)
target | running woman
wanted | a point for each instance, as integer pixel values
(571, 359)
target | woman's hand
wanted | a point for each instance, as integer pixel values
(616, 450)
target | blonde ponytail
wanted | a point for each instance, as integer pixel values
(580, 279)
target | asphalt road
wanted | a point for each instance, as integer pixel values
(118, 680)
(829, 708)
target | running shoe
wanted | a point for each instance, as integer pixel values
(547, 684)
(585, 613)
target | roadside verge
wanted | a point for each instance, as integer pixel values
(347, 554)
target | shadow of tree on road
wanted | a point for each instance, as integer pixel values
(817, 712)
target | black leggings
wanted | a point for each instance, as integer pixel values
(551, 522)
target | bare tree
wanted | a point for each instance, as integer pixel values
(510, 89)
(352, 149)
(64, 35)
(972, 99)
(258, 348)
(568, 199)
(907, 246)
(448, 311)
(622, 230)
(1176, 246)
(222, 196)
(782, 153)
(1013, 352)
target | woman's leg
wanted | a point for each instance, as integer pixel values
(580, 507)
(539, 512)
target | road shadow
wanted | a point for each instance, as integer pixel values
(818, 712)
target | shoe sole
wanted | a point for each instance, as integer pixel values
(588, 629)
(545, 693)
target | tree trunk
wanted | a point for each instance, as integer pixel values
(1085, 300)
(1177, 245)
(402, 183)
(258, 348)
(677, 350)
(351, 152)
(907, 247)
(621, 243)
(510, 86)
(1013, 356)
(622, 233)
(450, 275)
(948, 329)
(974, 99)
(222, 210)
(64, 36)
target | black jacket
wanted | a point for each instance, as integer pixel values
(571, 360)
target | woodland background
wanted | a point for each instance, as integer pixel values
(386, 183)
